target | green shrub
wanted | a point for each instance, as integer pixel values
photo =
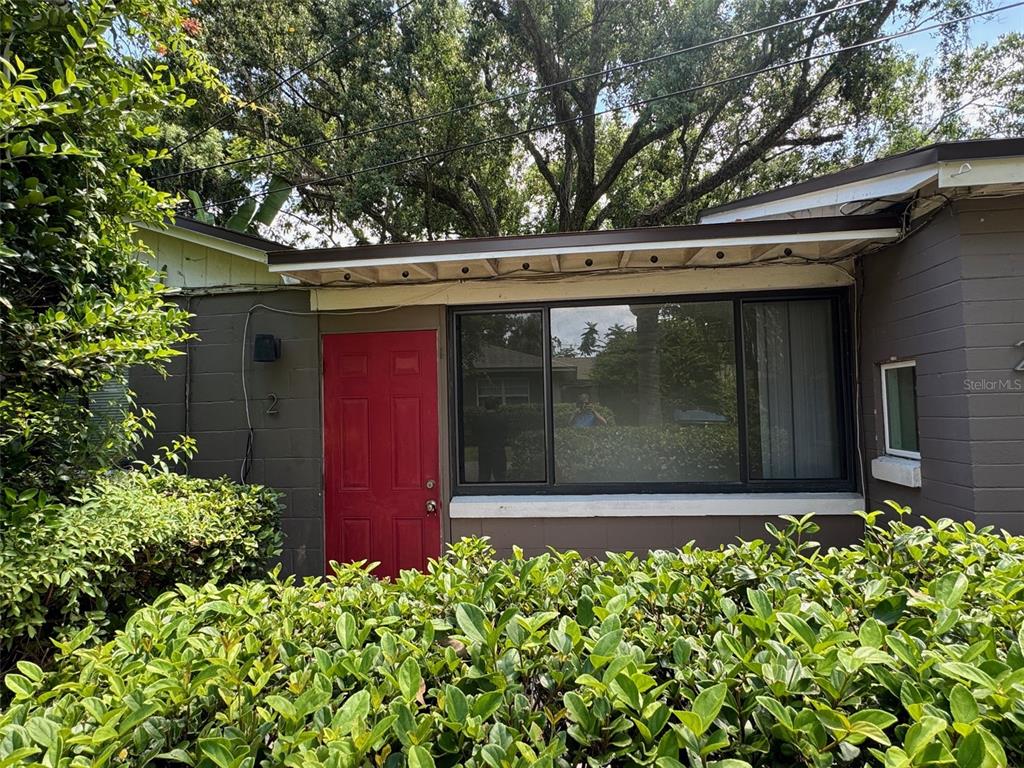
(904, 651)
(129, 538)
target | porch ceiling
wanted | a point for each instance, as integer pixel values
(700, 246)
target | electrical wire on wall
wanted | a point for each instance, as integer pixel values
(247, 458)
(908, 226)
(188, 370)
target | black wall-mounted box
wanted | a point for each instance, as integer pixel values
(266, 348)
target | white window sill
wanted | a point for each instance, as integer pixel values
(656, 505)
(893, 469)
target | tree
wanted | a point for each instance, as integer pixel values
(647, 164)
(590, 340)
(80, 86)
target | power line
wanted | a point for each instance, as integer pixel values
(519, 94)
(354, 35)
(631, 105)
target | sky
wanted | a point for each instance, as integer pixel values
(985, 29)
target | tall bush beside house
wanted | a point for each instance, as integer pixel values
(80, 84)
(905, 651)
(128, 538)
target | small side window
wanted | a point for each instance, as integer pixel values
(899, 408)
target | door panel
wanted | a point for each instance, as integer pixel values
(381, 448)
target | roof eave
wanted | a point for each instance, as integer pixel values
(600, 241)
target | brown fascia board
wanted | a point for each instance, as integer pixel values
(915, 158)
(230, 235)
(627, 239)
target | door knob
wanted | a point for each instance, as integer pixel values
(431, 507)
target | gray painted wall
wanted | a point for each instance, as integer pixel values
(594, 536)
(287, 444)
(951, 297)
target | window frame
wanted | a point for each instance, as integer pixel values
(884, 368)
(842, 362)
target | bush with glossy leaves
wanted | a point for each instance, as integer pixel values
(123, 542)
(905, 650)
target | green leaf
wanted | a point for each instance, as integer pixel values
(958, 669)
(761, 604)
(345, 629)
(409, 679)
(970, 752)
(872, 633)
(353, 712)
(30, 670)
(949, 589)
(419, 757)
(283, 707)
(217, 750)
(456, 704)
(709, 703)
(43, 731)
(607, 646)
(472, 622)
(888, 611)
(962, 704)
(281, 190)
(877, 717)
(576, 708)
(485, 704)
(20, 685)
(242, 218)
(626, 690)
(922, 734)
(800, 628)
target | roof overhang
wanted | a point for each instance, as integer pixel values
(995, 164)
(236, 243)
(708, 245)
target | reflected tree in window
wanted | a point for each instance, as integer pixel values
(502, 384)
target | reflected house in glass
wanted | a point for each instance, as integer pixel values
(818, 348)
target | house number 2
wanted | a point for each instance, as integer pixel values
(1020, 365)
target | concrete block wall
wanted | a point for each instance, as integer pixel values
(284, 407)
(992, 274)
(951, 297)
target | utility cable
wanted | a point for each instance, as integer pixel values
(354, 35)
(610, 110)
(501, 99)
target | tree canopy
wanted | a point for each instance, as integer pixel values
(81, 85)
(646, 163)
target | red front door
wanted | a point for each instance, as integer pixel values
(382, 495)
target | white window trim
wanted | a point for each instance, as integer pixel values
(507, 395)
(885, 410)
(655, 505)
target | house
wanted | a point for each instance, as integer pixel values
(817, 348)
(201, 257)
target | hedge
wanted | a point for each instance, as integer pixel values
(903, 651)
(129, 538)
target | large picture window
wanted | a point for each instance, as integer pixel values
(736, 393)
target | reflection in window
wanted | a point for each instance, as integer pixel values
(792, 422)
(644, 393)
(502, 384)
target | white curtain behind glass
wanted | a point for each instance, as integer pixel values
(795, 405)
